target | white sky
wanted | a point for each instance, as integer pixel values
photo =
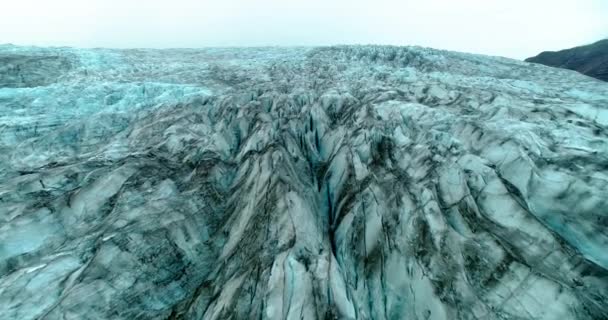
(512, 28)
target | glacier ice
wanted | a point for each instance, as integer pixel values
(348, 182)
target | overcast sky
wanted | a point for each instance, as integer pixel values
(512, 28)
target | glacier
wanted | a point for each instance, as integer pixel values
(343, 182)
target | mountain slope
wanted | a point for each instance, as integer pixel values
(300, 183)
(591, 60)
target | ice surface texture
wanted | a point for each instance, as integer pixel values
(300, 183)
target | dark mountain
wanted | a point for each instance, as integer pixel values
(591, 60)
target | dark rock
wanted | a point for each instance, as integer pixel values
(591, 60)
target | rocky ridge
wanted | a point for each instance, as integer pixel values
(591, 60)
